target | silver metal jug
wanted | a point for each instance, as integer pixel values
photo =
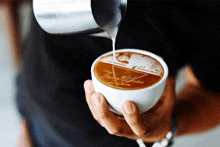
(78, 16)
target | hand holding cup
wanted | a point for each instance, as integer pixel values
(150, 126)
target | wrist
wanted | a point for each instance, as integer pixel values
(168, 140)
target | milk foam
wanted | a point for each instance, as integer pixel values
(135, 62)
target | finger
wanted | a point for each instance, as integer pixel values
(132, 116)
(166, 102)
(168, 96)
(105, 116)
(89, 91)
(170, 86)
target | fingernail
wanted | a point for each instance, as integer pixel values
(128, 109)
(97, 100)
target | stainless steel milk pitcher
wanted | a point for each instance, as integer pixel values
(78, 16)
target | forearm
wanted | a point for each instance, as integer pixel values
(10, 27)
(6, 1)
(197, 109)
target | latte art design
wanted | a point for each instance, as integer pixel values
(128, 71)
(124, 80)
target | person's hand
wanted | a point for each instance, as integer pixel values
(151, 126)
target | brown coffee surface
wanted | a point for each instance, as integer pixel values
(136, 71)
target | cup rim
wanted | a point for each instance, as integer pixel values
(156, 57)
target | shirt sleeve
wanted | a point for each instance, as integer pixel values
(206, 66)
(190, 35)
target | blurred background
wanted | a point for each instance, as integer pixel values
(12, 44)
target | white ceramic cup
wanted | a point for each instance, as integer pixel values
(143, 98)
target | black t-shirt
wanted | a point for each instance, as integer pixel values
(50, 86)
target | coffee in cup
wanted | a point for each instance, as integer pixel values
(134, 75)
(129, 71)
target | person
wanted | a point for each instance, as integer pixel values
(51, 97)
